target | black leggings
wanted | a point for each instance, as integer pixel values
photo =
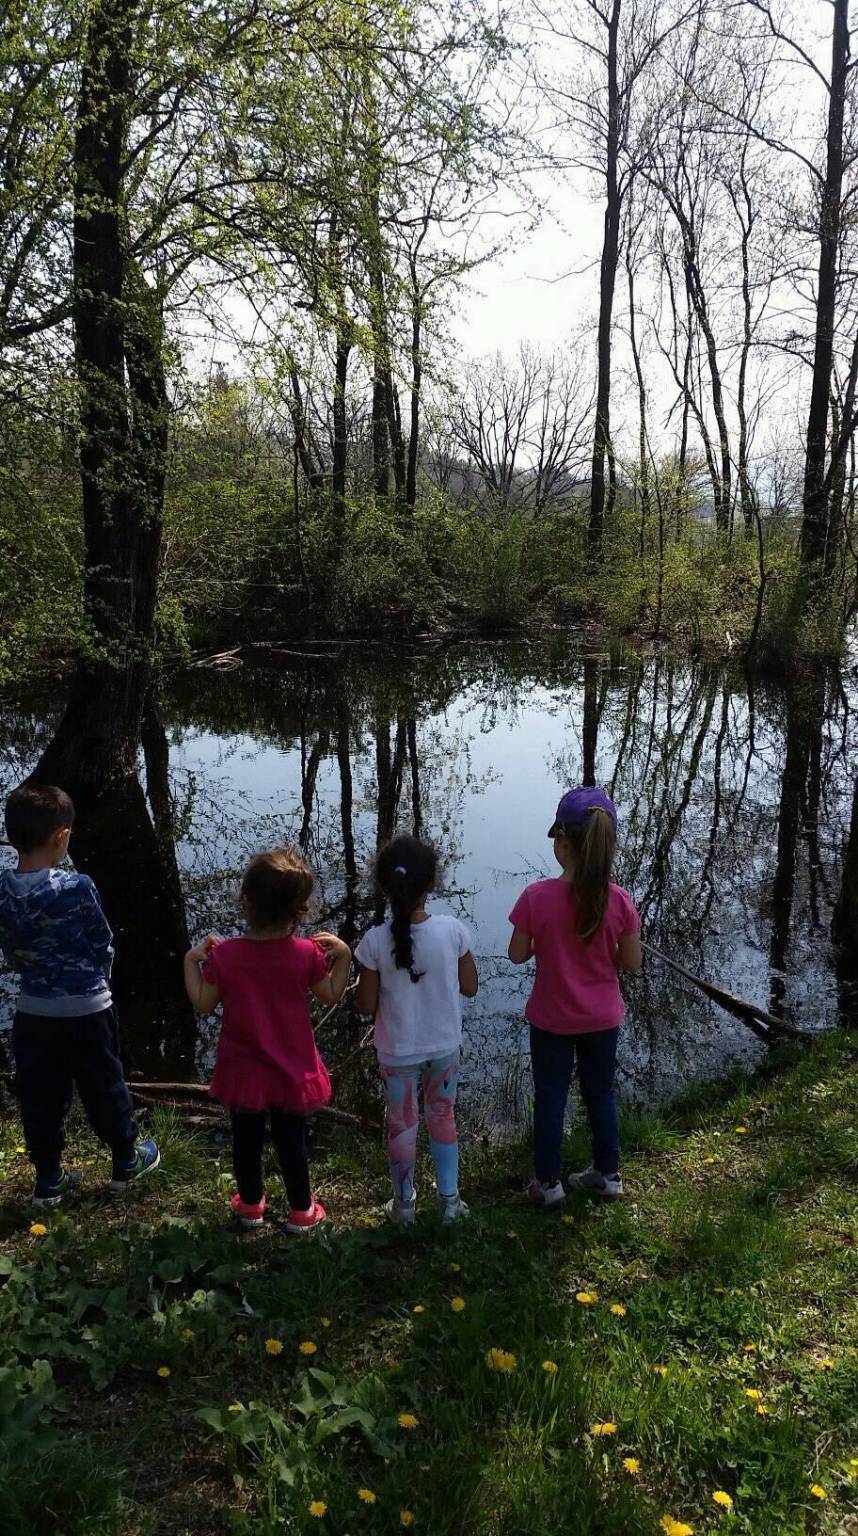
(289, 1135)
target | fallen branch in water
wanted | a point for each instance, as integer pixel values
(764, 1024)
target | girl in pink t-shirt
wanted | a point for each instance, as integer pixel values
(267, 1064)
(582, 931)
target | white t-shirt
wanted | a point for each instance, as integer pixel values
(417, 1020)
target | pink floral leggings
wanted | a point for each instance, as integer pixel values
(401, 1086)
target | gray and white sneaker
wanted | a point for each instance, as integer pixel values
(545, 1194)
(402, 1212)
(604, 1186)
(453, 1208)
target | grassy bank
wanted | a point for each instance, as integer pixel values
(162, 1374)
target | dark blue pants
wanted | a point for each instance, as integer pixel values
(53, 1056)
(552, 1057)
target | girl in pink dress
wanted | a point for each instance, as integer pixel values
(268, 1067)
(581, 930)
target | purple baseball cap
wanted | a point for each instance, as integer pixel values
(577, 804)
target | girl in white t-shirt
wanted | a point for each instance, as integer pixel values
(415, 969)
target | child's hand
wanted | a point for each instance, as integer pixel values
(201, 952)
(332, 946)
(332, 943)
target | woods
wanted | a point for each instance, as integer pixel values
(305, 199)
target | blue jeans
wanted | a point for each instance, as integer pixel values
(552, 1057)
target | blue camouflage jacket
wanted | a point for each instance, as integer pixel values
(54, 933)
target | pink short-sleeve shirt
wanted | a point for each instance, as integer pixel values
(266, 1055)
(576, 988)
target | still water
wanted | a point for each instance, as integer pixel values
(734, 798)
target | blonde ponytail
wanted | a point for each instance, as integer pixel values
(593, 847)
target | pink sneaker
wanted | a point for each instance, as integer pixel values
(304, 1221)
(248, 1215)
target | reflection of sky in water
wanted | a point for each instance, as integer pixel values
(705, 779)
(699, 825)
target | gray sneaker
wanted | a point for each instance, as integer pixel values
(453, 1208)
(545, 1194)
(602, 1185)
(402, 1212)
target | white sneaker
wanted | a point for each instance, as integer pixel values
(540, 1193)
(402, 1212)
(602, 1185)
(454, 1208)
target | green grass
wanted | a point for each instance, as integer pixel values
(734, 1257)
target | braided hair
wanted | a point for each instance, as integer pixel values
(405, 870)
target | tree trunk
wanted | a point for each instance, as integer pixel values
(814, 528)
(416, 384)
(123, 414)
(723, 497)
(607, 287)
(340, 442)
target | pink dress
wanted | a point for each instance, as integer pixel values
(266, 1055)
(576, 988)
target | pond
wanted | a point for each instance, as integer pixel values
(734, 798)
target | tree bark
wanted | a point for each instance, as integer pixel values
(607, 288)
(123, 430)
(416, 385)
(814, 528)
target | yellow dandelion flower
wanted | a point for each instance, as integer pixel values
(457, 1304)
(853, 1463)
(741, 1130)
(660, 1370)
(603, 1429)
(455, 1269)
(234, 1408)
(587, 1298)
(163, 1372)
(749, 1349)
(825, 1365)
(188, 1334)
(406, 1517)
(550, 1366)
(754, 1394)
(708, 1161)
(273, 1347)
(673, 1527)
(367, 1496)
(500, 1360)
(418, 1309)
(818, 1491)
(317, 1509)
(20, 1151)
(408, 1421)
(763, 1410)
(618, 1310)
(325, 1322)
(38, 1229)
(631, 1465)
(308, 1347)
(567, 1221)
(722, 1499)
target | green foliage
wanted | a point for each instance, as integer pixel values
(732, 1260)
